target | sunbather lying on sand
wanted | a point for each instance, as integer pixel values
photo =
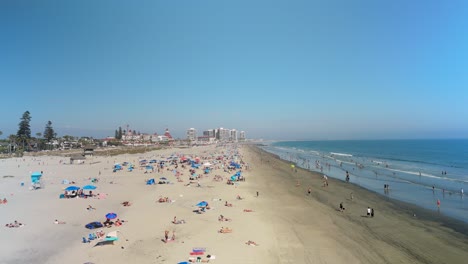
(248, 210)
(251, 243)
(14, 224)
(228, 204)
(221, 218)
(177, 222)
(199, 260)
(164, 200)
(225, 230)
(57, 222)
(126, 203)
(90, 208)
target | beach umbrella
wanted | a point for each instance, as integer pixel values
(111, 215)
(163, 178)
(72, 188)
(202, 204)
(89, 187)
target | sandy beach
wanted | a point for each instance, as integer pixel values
(287, 224)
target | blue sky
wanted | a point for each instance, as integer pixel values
(328, 69)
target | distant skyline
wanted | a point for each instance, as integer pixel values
(284, 70)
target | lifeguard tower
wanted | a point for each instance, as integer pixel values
(36, 180)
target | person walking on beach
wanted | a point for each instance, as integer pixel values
(347, 176)
(368, 211)
(309, 191)
(166, 235)
(372, 212)
(257, 193)
(438, 204)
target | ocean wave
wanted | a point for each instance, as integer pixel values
(430, 176)
(340, 154)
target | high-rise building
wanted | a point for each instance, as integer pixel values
(242, 136)
(209, 133)
(192, 134)
(233, 135)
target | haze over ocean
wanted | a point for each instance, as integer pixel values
(410, 167)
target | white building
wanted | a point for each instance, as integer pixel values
(242, 136)
(233, 135)
(192, 134)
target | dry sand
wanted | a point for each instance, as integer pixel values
(288, 225)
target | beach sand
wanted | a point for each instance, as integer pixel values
(289, 225)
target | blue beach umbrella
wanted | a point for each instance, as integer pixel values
(89, 187)
(202, 204)
(111, 215)
(72, 188)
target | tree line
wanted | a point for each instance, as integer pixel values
(24, 141)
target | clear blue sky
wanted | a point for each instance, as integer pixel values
(361, 69)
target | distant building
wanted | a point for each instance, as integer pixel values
(242, 136)
(168, 135)
(206, 139)
(163, 139)
(222, 134)
(211, 133)
(88, 150)
(233, 135)
(192, 134)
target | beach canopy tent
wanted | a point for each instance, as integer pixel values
(72, 188)
(36, 177)
(117, 167)
(149, 167)
(111, 216)
(109, 239)
(202, 204)
(112, 236)
(89, 187)
(150, 182)
(195, 165)
(234, 178)
(235, 165)
(153, 161)
(94, 225)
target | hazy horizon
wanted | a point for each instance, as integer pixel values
(315, 70)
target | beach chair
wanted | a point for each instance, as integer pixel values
(92, 236)
(86, 240)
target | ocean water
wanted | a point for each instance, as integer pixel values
(417, 171)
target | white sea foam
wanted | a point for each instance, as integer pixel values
(341, 154)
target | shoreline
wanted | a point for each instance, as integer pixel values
(428, 236)
(408, 209)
